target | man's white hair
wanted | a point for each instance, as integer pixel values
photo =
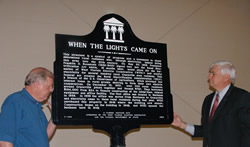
(226, 68)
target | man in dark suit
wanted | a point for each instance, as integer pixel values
(225, 118)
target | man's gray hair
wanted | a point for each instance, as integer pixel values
(38, 74)
(226, 68)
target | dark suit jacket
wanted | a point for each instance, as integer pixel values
(230, 126)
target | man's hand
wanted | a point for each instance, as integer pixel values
(178, 122)
(5, 144)
(48, 105)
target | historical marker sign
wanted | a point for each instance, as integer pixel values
(111, 76)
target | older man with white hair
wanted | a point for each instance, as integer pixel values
(225, 118)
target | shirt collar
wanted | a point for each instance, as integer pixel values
(223, 91)
(30, 97)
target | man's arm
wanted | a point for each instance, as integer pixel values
(5, 144)
(51, 126)
(50, 129)
(244, 116)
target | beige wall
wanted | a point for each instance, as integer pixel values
(197, 32)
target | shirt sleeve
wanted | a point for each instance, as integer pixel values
(7, 122)
(190, 129)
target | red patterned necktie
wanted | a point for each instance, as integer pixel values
(214, 107)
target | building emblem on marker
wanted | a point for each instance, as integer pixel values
(114, 30)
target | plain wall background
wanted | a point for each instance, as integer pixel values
(197, 33)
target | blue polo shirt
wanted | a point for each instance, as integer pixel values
(22, 121)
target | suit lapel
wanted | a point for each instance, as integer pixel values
(222, 103)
